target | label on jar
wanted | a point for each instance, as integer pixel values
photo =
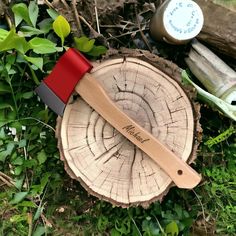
(183, 20)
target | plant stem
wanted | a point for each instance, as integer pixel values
(30, 222)
(160, 227)
(139, 233)
(14, 98)
(34, 77)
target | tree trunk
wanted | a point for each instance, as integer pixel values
(105, 162)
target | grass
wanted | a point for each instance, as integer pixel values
(37, 197)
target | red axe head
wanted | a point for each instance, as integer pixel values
(56, 88)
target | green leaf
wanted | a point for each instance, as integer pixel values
(83, 44)
(40, 230)
(18, 170)
(29, 31)
(19, 182)
(123, 226)
(37, 61)
(42, 46)
(5, 106)
(30, 163)
(42, 157)
(102, 223)
(45, 179)
(179, 210)
(172, 229)
(14, 41)
(5, 153)
(18, 197)
(17, 125)
(11, 58)
(45, 25)
(3, 34)
(61, 27)
(114, 232)
(4, 88)
(97, 51)
(22, 143)
(38, 212)
(6, 118)
(21, 13)
(3, 134)
(27, 204)
(18, 161)
(33, 12)
(28, 95)
(213, 101)
(17, 218)
(52, 13)
(2, 123)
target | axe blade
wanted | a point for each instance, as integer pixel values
(50, 99)
(56, 89)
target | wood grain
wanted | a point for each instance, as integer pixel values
(102, 159)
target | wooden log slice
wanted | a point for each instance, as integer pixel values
(105, 162)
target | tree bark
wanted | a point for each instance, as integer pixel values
(219, 28)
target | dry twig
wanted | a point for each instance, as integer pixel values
(77, 18)
(94, 32)
(6, 179)
(48, 3)
(65, 5)
(96, 15)
(141, 31)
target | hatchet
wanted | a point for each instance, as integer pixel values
(71, 73)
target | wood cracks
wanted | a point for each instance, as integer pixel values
(103, 160)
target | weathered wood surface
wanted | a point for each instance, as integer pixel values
(219, 28)
(104, 161)
(217, 77)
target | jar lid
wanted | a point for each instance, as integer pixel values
(183, 19)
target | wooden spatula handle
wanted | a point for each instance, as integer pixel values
(179, 171)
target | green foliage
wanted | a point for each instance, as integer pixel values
(221, 137)
(215, 102)
(172, 229)
(217, 195)
(61, 28)
(221, 193)
(84, 44)
(21, 12)
(27, 151)
(52, 13)
(24, 13)
(36, 61)
(33, 12)
(14, 41)
(18, 197)
(42, 46)
(87, 46)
